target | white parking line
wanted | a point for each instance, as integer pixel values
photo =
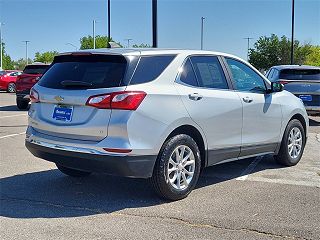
(245, 174)
(12, 135)
(24, 114)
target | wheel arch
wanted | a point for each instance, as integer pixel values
(198, 138)
(300, 118)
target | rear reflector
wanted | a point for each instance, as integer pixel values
(126, 100)
(117, 150)
(34, 96)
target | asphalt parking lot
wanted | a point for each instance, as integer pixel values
(249, 199)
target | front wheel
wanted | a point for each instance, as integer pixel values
(292, 145)
(72, 172)
(177, 168)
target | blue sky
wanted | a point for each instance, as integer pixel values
(50, 24)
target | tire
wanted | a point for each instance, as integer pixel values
(11, 87)
(21, 104)
(72, 172)
(285, 156)
(161, 177)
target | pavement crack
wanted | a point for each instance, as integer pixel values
(176, 219)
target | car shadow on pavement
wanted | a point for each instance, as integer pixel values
(10, 108)
(313, 123)
(50, 194)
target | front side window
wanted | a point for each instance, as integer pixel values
(209, 72)
(244, 77)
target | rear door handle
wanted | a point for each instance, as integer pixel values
(195, 96)
(247, 99)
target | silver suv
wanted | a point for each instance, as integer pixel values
(160, 114)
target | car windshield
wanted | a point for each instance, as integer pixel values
(300, 74)
(2, 73)
(35, 69)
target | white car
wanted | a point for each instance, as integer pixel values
(160, 114)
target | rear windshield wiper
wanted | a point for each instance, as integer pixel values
(71, 83)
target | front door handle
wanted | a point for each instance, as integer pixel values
(247, 99)
(195, 96)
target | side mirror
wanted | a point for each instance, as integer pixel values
(276, 87)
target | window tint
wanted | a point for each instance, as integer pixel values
(187, 75)
(35, 69)
(244, 77)
(209, 72)
(83, 72)
(270, 73)
(300, 74)
(150, 67)
(275, 75)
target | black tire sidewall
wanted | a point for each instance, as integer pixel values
(163, 158)
(292, 124)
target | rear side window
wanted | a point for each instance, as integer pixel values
(209, 72)
(150, 67)
(187, 74)
(85, 72)
(35, 69)
(300, 74)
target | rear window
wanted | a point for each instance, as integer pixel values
(150, 67)
(85, 72)
(300, 74)
(35, 69)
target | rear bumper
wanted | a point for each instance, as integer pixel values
(313, 108)
(24, 95)
(125, 165)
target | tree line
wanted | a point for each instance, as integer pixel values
(267, 51)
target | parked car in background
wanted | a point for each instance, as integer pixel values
(8, 80)
(30, 75)
(160, 114)
(302, 81)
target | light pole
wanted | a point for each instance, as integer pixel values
(154, 23)
(26, 50)
(72, 45)
(94, 33)
(248, 38)
(109, 31)
(128, 40)
(292, 31)
(1, 45)
(202, 19)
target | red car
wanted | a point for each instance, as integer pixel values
(29, 77)
(8, 80)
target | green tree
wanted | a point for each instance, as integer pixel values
(46, 57)
(21, 63)
(314, 57)
(7, 62)
(101, 42)
(142, 45)
(270, 51)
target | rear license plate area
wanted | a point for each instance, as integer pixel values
(63, 113)
(306, 98)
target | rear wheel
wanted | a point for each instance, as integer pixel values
(177, 168)
(11, 87)
(292, 144)
(21, 104)
(72, 172)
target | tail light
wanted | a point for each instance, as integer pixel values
(283, 82)
(126, 100)
(34, 96)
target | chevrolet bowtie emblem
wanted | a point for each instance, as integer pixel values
(59, 98)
